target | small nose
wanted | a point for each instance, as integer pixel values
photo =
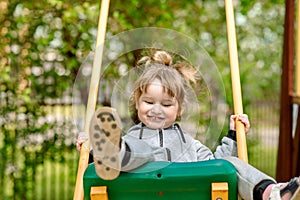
(156, 109)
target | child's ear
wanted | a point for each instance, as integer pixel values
(179, 114)
(136, 103)
(180, 111)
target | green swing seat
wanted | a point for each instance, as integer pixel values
(164, 180)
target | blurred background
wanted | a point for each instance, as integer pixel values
(43, 44)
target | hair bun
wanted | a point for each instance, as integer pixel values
(188, 72)
(162, 57)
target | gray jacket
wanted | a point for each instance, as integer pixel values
(142, 144)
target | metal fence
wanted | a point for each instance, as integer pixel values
(263, 135)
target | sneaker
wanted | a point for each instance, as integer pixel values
(280, 189)
(296, 194)
(105, 133)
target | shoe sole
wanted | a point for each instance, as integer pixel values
(296, 195)
(105, 133)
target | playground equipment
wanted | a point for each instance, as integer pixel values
(288, 162)
(214, 179)
(175, 180)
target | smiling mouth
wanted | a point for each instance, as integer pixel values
(156, 118)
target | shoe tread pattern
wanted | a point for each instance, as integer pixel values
(105, 135)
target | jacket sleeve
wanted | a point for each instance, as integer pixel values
(203, 152)
(228, 146)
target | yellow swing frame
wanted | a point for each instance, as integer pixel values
(218, 189)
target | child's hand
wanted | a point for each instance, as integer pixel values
(243, 118)
(82, 138)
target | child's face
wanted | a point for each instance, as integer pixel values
(156, 108)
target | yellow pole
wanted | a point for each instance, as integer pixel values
(92, 98)
(235, 79)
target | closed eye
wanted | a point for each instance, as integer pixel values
(148, 102)
(167, 104)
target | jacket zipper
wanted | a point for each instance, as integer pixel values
(161, 143)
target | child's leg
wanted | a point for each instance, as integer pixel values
(248, 177)
(254, 184)
(105, 135)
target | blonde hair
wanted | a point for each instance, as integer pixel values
(175, 78)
